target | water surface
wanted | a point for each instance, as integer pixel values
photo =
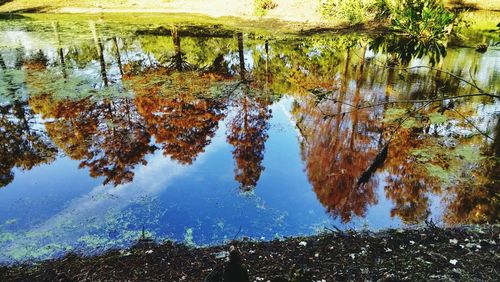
(203, 135)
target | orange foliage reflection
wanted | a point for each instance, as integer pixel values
(183, 126)
(248, 135)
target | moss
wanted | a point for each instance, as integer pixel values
(19, 253)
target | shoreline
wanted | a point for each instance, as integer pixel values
(458, 253)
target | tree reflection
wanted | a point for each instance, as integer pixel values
(477, 200)
(179, 111)
(339, 149)
(22, 144)
(408, 184)
(248, 135)
(405, 49)
(106, 136)
(183, 126)
(177, 108)
(248, 128)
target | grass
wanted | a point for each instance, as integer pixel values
(13, 5)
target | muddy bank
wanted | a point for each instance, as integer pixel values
(467, 253)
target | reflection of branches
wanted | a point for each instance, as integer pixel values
(473, 125)
(229, 93)
(428, 101)
(417, 101)
(473, 83)
(440, 70)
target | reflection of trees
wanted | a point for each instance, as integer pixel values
(184, 126)
(100, 53)
(478, 201)
(248, 135)
(407, 48)
(408, 184)
(248, 129)
(178, 110)
(175, 105)
(106, 136)
(21, 144)
(339, 149)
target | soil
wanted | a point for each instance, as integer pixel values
(468, 253)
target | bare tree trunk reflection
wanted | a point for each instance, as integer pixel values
(118, 55)
(100, 51)
(241, 55)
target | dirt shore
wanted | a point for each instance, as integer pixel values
(285, 10)
(468, 253)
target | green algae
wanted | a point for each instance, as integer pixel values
(438, 172)
(188, 238)
(437, 118)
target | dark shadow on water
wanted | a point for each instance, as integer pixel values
(11, 16)
(214, 31)
(17, 14)
(3, 2)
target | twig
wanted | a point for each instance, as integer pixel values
(419, 101)
(405, 119)
(431, 68)
(238, 233)
(473, 125)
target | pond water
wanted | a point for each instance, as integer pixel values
(204, 134)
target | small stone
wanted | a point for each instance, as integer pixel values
(453, 261)
(221, 255)
(149, 251)
(453, 241)
(303, 243)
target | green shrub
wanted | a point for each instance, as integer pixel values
(426, 20)
(353, 11)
